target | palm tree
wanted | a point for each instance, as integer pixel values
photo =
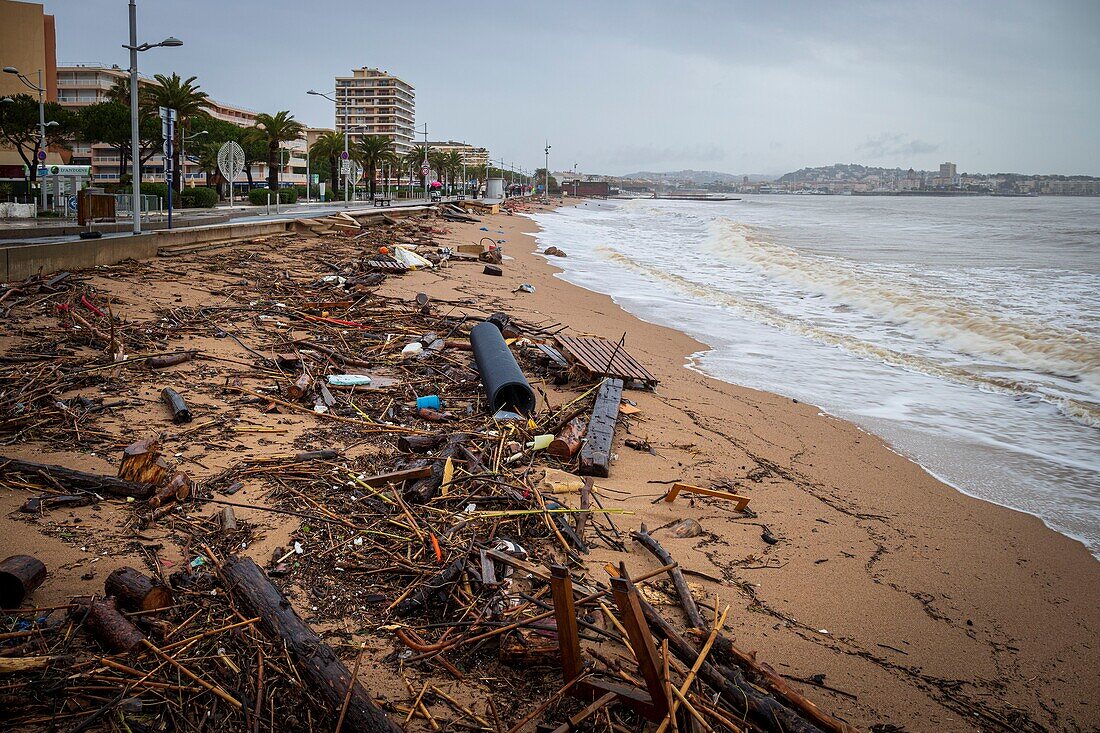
(393, 162)
(370, 152)
(416, 156)
(438, 161)
(276, 130)
(454, 165)
(329, 145)
(182, 95)
(412, 160)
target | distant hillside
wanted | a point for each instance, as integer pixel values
(698, 178)
(842, 171)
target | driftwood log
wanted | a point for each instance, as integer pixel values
(136, 591)
(425, 489)
(167, 360)
(646, 540)
(420, 443)
(766, 711)
(178, 488)
(568, 441)
(109, 627)
(596, 453)
(142, 463)
(19, 575)
(180, 412)
(73, 479)
(323, 671)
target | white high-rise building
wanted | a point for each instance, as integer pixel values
(374, 102)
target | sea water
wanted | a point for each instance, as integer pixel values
(964, 331)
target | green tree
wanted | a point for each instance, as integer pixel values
(369, 153)
(395, 164)
(328, 147)
(182, 95)
(19, 129)
(275, 130)
(204, 150)
(416, 158)
(454, 166)
(107, 123)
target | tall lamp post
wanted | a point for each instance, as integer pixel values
(41, 120)
(347, 157)
(546, 193)
(135, 144)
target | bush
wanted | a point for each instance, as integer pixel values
(155, 189)
(200, 197)
(258, 196)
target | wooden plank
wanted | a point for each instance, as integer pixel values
(596, 452)
(641, 641)
(565, 617)
(740, 502)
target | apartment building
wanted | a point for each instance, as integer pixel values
(26, 43)
(84, 84)
(474, 157)
(374, 102)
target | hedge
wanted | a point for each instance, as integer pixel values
(258, 196)
(200, 197)
(155, 189)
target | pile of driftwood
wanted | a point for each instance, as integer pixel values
(433, 537)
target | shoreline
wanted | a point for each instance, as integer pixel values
(954, 583)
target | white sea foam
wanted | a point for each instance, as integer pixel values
(967, 333)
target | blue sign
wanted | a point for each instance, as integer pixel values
(72, 203)
(41, 154)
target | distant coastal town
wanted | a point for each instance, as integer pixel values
(848, 178)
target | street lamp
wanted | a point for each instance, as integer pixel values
(135, 144)
(347, 157)
(546, 193)
(41, 122)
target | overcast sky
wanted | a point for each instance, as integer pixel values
(740, 87)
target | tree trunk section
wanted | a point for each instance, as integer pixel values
(177, 489)
(141, 463)
(109, 627)
(72, 479)
(319, 665)
(19, 575)
(569, 439)
(135, 591)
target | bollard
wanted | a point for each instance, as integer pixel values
(269, 203)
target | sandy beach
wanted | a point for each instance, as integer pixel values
(892, 600)
(916, 600)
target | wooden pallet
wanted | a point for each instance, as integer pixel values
(603, 358)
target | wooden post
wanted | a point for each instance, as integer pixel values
(565, 615)
(596, 453)
(321, 669)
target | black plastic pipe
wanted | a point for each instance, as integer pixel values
(504, 381)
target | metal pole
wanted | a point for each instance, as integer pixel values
(41, 131)
(168, 162)
(309, 177)
(426, 159)
(546, 193)
(346, 156)
(135, 145)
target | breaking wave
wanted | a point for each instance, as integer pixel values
(789, 264)
(929, 313)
